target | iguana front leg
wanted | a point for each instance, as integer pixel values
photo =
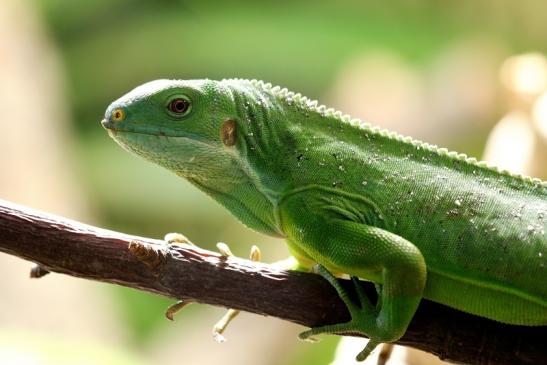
(224, 249)
(220, 326)
(339, 244)
(290, 263)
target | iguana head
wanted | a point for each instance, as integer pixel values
(191, 128)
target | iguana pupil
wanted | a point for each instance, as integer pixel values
(179, 105)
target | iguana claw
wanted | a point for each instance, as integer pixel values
(174, 309)
(174, 238)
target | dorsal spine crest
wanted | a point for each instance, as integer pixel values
(313, 105)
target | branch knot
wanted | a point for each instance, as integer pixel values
(151, 255)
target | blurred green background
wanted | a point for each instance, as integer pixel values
(464, 75)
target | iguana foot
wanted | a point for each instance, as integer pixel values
(363, 315)
(220, 326)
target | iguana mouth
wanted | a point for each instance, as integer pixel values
(115, 132)
(113, 129)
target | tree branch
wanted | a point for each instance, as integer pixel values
(190, 273)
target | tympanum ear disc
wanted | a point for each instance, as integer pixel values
(228, 132)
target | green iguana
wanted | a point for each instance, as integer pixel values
(417, 220)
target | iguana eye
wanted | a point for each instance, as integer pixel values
(179, 106)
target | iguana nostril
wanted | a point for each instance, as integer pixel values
(107, 124)
(117, 115)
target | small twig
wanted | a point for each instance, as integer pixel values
(191, 274)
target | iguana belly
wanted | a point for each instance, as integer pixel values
(498, 302)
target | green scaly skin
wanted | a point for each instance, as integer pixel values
(418, 220)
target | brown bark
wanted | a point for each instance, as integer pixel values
(190, 273)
